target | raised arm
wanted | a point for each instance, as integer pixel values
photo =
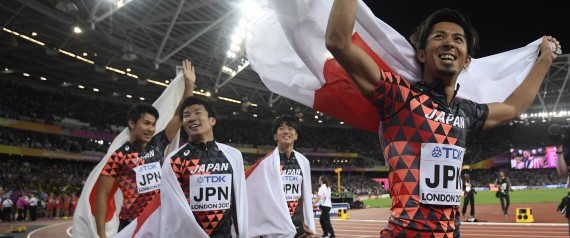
(361, 68)
(190, 80)
(524, 94)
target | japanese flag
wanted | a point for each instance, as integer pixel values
(286, 47)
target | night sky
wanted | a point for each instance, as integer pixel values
(500, 28)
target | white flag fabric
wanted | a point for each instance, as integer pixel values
(271, 217)
(169, 215)
(84, 220)
(299, 66)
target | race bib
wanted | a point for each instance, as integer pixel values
(210, 192)
(292, 187)
(148, 177)
(440, 171)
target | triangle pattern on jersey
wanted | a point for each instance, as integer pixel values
(400, 135)
(418, 216)
(401, 164)
(408, 160)
(292, 206)
(410, 180)
(210, 220)
(404, 215)
(409, 120)
(440, 130)
(432, 216)
(439, 228)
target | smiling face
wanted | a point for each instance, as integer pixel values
(526, 154)
(285, 135)
(143, 129)
(445, 53)
(198, 124)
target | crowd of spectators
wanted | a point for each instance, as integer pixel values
(46, 141)
(40, 177)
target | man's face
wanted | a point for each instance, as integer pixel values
(144, 128)
(197, 123)
(285, 134)
(501, 174)
(526, 154)
(445, 54)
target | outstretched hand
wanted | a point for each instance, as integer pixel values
(188, 70)
(550, 47)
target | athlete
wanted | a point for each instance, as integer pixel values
(203, 191)
(280, 182)
(424, 126)
(135, 166)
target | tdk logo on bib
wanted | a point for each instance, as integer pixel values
(212, 179)
(447, 153)
(147, 167)
(436, 152)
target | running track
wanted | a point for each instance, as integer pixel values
(350, 228)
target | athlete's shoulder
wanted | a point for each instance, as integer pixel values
(178, 151)
(227, 147)
(124, 149)
(300, 156)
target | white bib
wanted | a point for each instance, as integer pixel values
(440, 171)
(148, 177)
(210, 192)
(292, 186)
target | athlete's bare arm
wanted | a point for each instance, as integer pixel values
(561, 166)
(105, 184)
(190, 79)
(524, 94)
(359, 65)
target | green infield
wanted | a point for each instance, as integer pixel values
(488, 197)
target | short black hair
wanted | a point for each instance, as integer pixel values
(138, 110)
(189, 101)
(420, 35)
(288, 120)
(325, 180)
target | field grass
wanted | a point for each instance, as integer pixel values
(488, 197)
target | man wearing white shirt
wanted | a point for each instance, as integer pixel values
(33, 207)
(324, 197)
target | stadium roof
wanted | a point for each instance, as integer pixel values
(149, 38)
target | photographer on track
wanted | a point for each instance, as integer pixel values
(560, 137)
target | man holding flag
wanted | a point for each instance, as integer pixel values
(134, 167)
(203, 190)
(281, 182)
(424, 125)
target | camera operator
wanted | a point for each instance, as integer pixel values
(560, 136)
